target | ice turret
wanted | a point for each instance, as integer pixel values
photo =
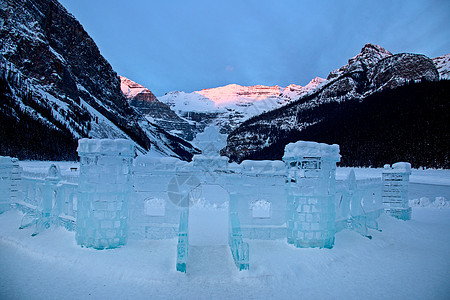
(311, 187)
(9, 182)
(395, 190)
(104, 189)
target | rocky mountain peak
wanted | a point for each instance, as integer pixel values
(314, 83)
(368, 57)
(372, 50)
(136, 92)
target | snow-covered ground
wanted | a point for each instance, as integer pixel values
(407, 260)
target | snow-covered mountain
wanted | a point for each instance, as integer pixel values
(56, 87)
(373, 70)
(228, 106)
(293, 92)
(443, 66)
(155, 111)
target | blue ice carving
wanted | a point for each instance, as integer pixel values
(239, 248)
(311, 192)
(9, 179)
(358, 205)
(395, 190)
(104, 189)
(45, 213)
(183, 240)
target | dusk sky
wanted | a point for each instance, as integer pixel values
(190, 45)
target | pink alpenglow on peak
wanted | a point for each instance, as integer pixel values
(234, 93)
(133, 90)
(130, 88)
(294, 92)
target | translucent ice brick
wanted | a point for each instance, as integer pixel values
(311, 192)
(104, 189)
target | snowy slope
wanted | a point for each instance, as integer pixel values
(443, 66)
(230, 105)
(294, 92)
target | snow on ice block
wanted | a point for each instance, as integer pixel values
(310, 149)
(117, 147)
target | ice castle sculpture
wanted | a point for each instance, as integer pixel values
(116, 197)
(311, 193)
(104, 190)
(395, 190)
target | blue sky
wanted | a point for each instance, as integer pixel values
(190, 45)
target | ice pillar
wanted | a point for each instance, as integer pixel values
(9, 181)
(395, 190)
(104, 189)
(311, 189)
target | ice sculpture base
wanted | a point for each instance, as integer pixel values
(315, 243)
(400, 213)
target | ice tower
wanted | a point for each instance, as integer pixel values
(311, 187)
(104, 189)
(395, 190)
(9, 181)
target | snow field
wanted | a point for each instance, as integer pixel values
(407, 260)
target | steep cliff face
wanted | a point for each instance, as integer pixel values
(54, 72)
(373, 70)
(155, 111)
(368, 57)
(396, 70)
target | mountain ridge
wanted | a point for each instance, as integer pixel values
(373, 70)
(45, 51)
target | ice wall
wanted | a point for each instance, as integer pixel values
(358, 204)
(160, 189)
(9, 182)
(104, 190)
(259, 198)
(311, 193)
(395, 190)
